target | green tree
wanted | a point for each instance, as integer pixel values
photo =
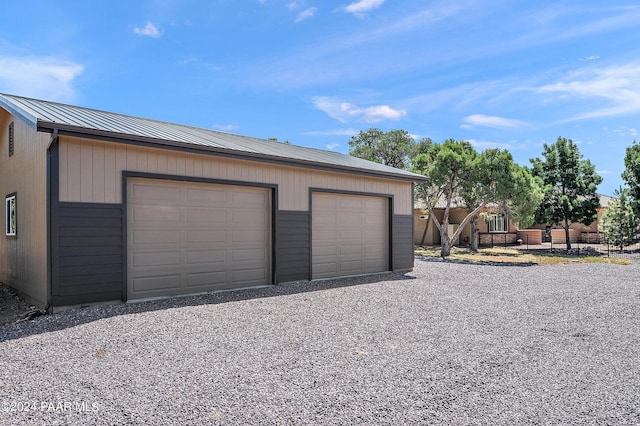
(394, 148)
(569, 186)
(631, 175)
(457, 171)
(619, 223)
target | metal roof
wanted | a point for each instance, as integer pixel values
(73, 120)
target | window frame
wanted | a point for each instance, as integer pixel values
(11, 210)
(501, 218)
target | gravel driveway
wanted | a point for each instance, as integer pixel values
(448, 343)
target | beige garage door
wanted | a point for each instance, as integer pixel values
(185, 237)
(350, 235)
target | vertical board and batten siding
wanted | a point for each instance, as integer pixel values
(91, 172)
(23, 259)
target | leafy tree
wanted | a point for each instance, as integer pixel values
(631, 175)
(619, 223)
(457, 171)
(394, 148)
(569, 186)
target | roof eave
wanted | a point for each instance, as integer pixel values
(69, 130)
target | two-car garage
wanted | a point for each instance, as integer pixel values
(187, 237)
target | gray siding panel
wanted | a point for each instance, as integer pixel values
(402, 242)
(88, 252)
(293, 243)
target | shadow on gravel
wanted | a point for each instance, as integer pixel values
(84, 315)
(472, 262)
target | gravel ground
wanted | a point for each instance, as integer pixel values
(448, 343)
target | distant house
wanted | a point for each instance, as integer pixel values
(578, 232)
(496, 227)
(102, 206)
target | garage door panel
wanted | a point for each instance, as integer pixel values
(147, 285)
(248, 254)
(249, 235)
(350, 234)
(204, 216)
(155, 259)
(220, 237)
(201, 236)
(206, 196)
(155, 237)
(206, 279)
(249, 218)
(253, 276)
(195, 257)
(155, 215)
(151, 193)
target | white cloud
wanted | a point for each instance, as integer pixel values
(39, 77)
(344, 111)
(338, 132)
(482, 145)
(149, 30)
(332, 146)
(361, 7)
(307, 13)
(618, 85)
(480, 120)
(225, 127)
(604, 172)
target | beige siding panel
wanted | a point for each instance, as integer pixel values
(350, 235)
(185, 237)
(79, 156)
(23, 260)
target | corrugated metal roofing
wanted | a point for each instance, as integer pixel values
(46, 116)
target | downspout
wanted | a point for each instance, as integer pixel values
(53, 143)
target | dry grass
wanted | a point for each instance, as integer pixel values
(510, 255)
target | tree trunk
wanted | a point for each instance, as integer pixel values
(445, 244)
(426, 229)
(445, 248)
(474, 234)
(566, 234)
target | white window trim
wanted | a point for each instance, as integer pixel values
(504, 224)
(11, 227)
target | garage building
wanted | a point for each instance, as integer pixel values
(103, 206)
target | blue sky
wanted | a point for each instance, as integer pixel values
(508, 74)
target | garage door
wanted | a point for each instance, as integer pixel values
(350, 235)
(185, 237)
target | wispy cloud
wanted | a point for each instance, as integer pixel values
(39, 77)
(149, 30)
(225, 127)
(618, 85)
(604, 172)
(480, 120)
(332, 146)
(482, 145)
(345, 111)
(307, 13)
(338, 132)
(361, 7)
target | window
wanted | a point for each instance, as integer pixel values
(498, 223)
(11, 227)
(11, 137)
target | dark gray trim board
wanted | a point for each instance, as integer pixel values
(402, 242)
(293, 246)
(87, 256)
